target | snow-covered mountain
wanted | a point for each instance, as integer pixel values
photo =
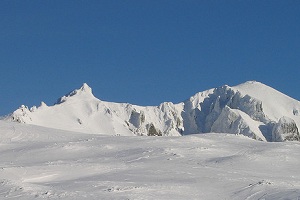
(252, 109)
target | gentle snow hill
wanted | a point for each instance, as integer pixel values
(44, 163)
(251, 109)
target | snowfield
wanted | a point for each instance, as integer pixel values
(40, 163)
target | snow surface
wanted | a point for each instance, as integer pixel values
(39, 163)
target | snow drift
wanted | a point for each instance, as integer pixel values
(251, 109)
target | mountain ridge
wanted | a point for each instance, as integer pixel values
(252, 109)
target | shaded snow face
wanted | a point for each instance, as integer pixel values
(252, 109)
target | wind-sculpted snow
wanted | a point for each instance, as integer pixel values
(251, 109)
(44, 163)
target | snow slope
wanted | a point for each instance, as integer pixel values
(275, 103)
(251, 109)
(43, 163)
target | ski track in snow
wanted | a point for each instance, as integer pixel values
(39, 163)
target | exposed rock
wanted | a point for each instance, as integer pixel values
(152, 131)
(296, 112)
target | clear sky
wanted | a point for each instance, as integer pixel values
(144, 51)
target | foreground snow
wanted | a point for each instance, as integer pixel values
(39, 163)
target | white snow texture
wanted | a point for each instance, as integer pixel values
(85, 148)
(251, 109)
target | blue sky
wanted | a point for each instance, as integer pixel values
(144, 51)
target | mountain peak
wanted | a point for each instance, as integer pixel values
(86, 88)
(84, 91)
(250, 84)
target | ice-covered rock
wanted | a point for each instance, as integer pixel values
(236, 122)
(21, 115)
(285, 130)
(201, 117)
